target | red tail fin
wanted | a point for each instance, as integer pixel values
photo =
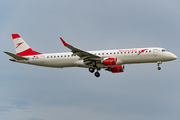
(22, 48)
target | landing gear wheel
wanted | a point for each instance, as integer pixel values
(97, 74)
(158, 64)
(91, 69)
(159, 68)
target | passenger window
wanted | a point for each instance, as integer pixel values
(64, 55)
(124, 52)
(132, 52)
(121, 52)
(102, 53)
(107, 53)
(150, 51)
(114, 53)
(117, 52)
(51, 56)
(47, 56)
(110, 53)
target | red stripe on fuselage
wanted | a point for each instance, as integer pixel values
(28, 52)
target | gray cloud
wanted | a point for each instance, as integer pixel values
(33, 119)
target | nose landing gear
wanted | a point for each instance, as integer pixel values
(158, 64)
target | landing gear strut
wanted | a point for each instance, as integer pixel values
(158, 64)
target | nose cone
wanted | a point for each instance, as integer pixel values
(174, 57)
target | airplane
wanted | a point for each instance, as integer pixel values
(110, 60)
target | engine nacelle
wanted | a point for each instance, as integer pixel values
(116, 69)
(109, 61)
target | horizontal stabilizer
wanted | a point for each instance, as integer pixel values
(17, 57)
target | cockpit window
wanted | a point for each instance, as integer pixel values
(163, 50)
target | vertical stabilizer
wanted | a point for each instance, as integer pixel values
(21, 47)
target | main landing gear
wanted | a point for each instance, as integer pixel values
(92, 69)
(158, 64)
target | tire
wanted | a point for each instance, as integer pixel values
(91, 69)
(159, 68)
(97, 74)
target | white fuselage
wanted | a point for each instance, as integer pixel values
(125, 56)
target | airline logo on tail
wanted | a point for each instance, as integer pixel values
(19, 44)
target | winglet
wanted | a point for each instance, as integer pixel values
(65, 44)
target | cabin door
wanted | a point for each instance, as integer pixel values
(42, 58)
(155, 52)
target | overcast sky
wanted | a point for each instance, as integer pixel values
(140, 93)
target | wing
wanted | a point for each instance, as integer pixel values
(86, 56)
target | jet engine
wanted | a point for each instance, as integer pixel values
(116, 69)
(109, 61)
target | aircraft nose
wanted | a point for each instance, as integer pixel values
(174, 56)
